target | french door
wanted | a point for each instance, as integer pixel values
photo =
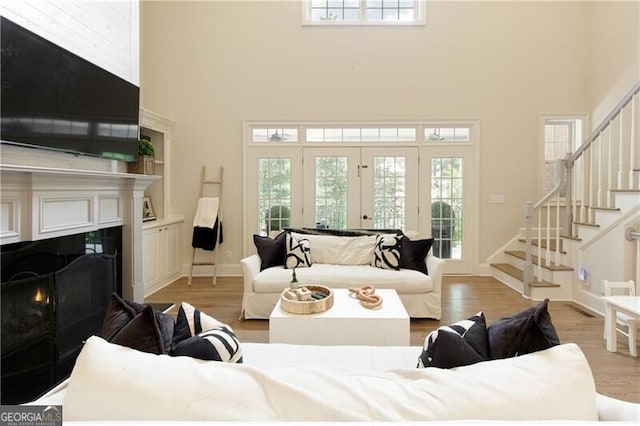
(369, 187)
(422, 180)
(448, 198)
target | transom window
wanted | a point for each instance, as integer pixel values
(374, 134)
(274, 135)
(446, 134)
(395, 133)
(358, 12)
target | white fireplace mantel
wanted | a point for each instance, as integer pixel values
(38, 202)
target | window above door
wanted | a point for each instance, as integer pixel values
(363, 12)
(354, 133)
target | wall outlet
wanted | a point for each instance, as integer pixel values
(227, 255)
(582, 274)
(496, 198)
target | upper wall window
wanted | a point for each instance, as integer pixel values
(562, 136)
(363, 12)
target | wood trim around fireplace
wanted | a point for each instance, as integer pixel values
(39, 202)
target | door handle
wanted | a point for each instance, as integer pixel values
(360, 167)
(364, 216)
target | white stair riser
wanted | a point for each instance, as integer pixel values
(562, 258)
(556, 277)
(507, 279)
(626, 201)
(586, 233)
(552, 293)
(605, 218)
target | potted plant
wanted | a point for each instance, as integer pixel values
(146, 158)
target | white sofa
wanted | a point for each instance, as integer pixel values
(342, 262)
(280, 382)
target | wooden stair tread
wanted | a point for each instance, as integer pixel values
(571, 237)
(607, 209)
(593, 225)
(632, 191)
(534, 242)
(551, 266)
(518, 274)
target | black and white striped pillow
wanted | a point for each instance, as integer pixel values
(217, 344)
(199, 335)
(190, 322)
(386, 253)
(298, 253)
(462, 343)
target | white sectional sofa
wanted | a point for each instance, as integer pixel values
(342, 262)
(294, 383)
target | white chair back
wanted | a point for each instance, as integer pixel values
(622, 288)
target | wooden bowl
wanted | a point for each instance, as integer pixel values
(304, 307)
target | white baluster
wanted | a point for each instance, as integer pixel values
(634, 152)
(600, 160)
(611, 179)
(591, 183)
(539, 251)
(558, 227)
(621, 177)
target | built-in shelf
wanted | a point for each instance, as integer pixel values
(162, 238)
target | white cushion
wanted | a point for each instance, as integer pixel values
(404, 281)
(111, 382)
(340, 250)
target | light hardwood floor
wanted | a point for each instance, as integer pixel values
(616, 374)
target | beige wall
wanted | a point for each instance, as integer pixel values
(614, 45)
(210, 65)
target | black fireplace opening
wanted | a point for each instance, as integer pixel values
(54, 295)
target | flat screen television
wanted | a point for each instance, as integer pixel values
(54, 99)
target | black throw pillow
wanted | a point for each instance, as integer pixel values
(413, 254)
(462, 343)
(270, 250)
(119, 313)
(147, 332)
(527, 331)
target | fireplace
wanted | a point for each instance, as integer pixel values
(54, 294)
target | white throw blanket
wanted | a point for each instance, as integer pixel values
(206, 212)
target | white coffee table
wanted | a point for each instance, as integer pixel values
(345, 323)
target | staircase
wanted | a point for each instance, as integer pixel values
(601, 181)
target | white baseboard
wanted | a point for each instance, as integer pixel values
(484, 269)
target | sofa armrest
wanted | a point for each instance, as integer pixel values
(615, 410)
(250, 269)
(435, 267)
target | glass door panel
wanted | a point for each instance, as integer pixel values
(331, 197)
(272, 195)
(389, 188)
(447, 205)
(449, 200)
